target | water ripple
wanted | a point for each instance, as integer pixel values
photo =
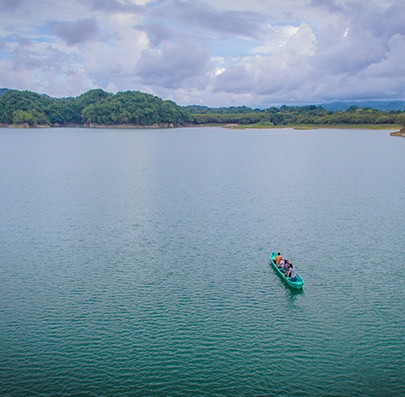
(142, 268)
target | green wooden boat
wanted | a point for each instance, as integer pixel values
(297, 284)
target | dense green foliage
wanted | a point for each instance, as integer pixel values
(293, 115)
(401, 119)
(136, 108)
(95, 106)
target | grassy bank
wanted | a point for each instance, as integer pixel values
(318, 126)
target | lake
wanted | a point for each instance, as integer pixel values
(136, 262)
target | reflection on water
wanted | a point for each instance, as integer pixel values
(293, 293)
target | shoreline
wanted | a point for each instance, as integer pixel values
(400, 131)
(308, 127)
(89, 125)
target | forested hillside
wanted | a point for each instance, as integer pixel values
(97, 107)
(94, 106)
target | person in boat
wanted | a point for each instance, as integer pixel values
(285, 264)
(282, 264)
(292, 272)
(286, 267)
(278, 259)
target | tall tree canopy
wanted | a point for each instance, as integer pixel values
(94, 106)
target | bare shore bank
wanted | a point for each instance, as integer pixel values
(399, 133)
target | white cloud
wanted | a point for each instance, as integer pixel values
(204, 51)
(174, 66)
(111, 87)
(392, 66)
(276, 39)
(137, 2)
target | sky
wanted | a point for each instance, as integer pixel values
(258, 53)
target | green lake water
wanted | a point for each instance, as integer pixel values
(136, 262)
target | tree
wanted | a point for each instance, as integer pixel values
(401, 119)
(23, 116)
(33, 118)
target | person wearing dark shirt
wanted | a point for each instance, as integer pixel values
(292, 272)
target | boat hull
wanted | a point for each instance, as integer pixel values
(298, 284)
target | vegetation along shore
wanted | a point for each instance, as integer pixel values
(134, 109)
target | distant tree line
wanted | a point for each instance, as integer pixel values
(293, 115)
(137, 108)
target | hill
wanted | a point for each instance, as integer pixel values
(378, 105)
(95, 107)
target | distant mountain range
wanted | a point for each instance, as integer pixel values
(333, 106)
(378, 105)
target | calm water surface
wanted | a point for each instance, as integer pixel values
(135, 262)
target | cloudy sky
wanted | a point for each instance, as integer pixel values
(257, 53)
